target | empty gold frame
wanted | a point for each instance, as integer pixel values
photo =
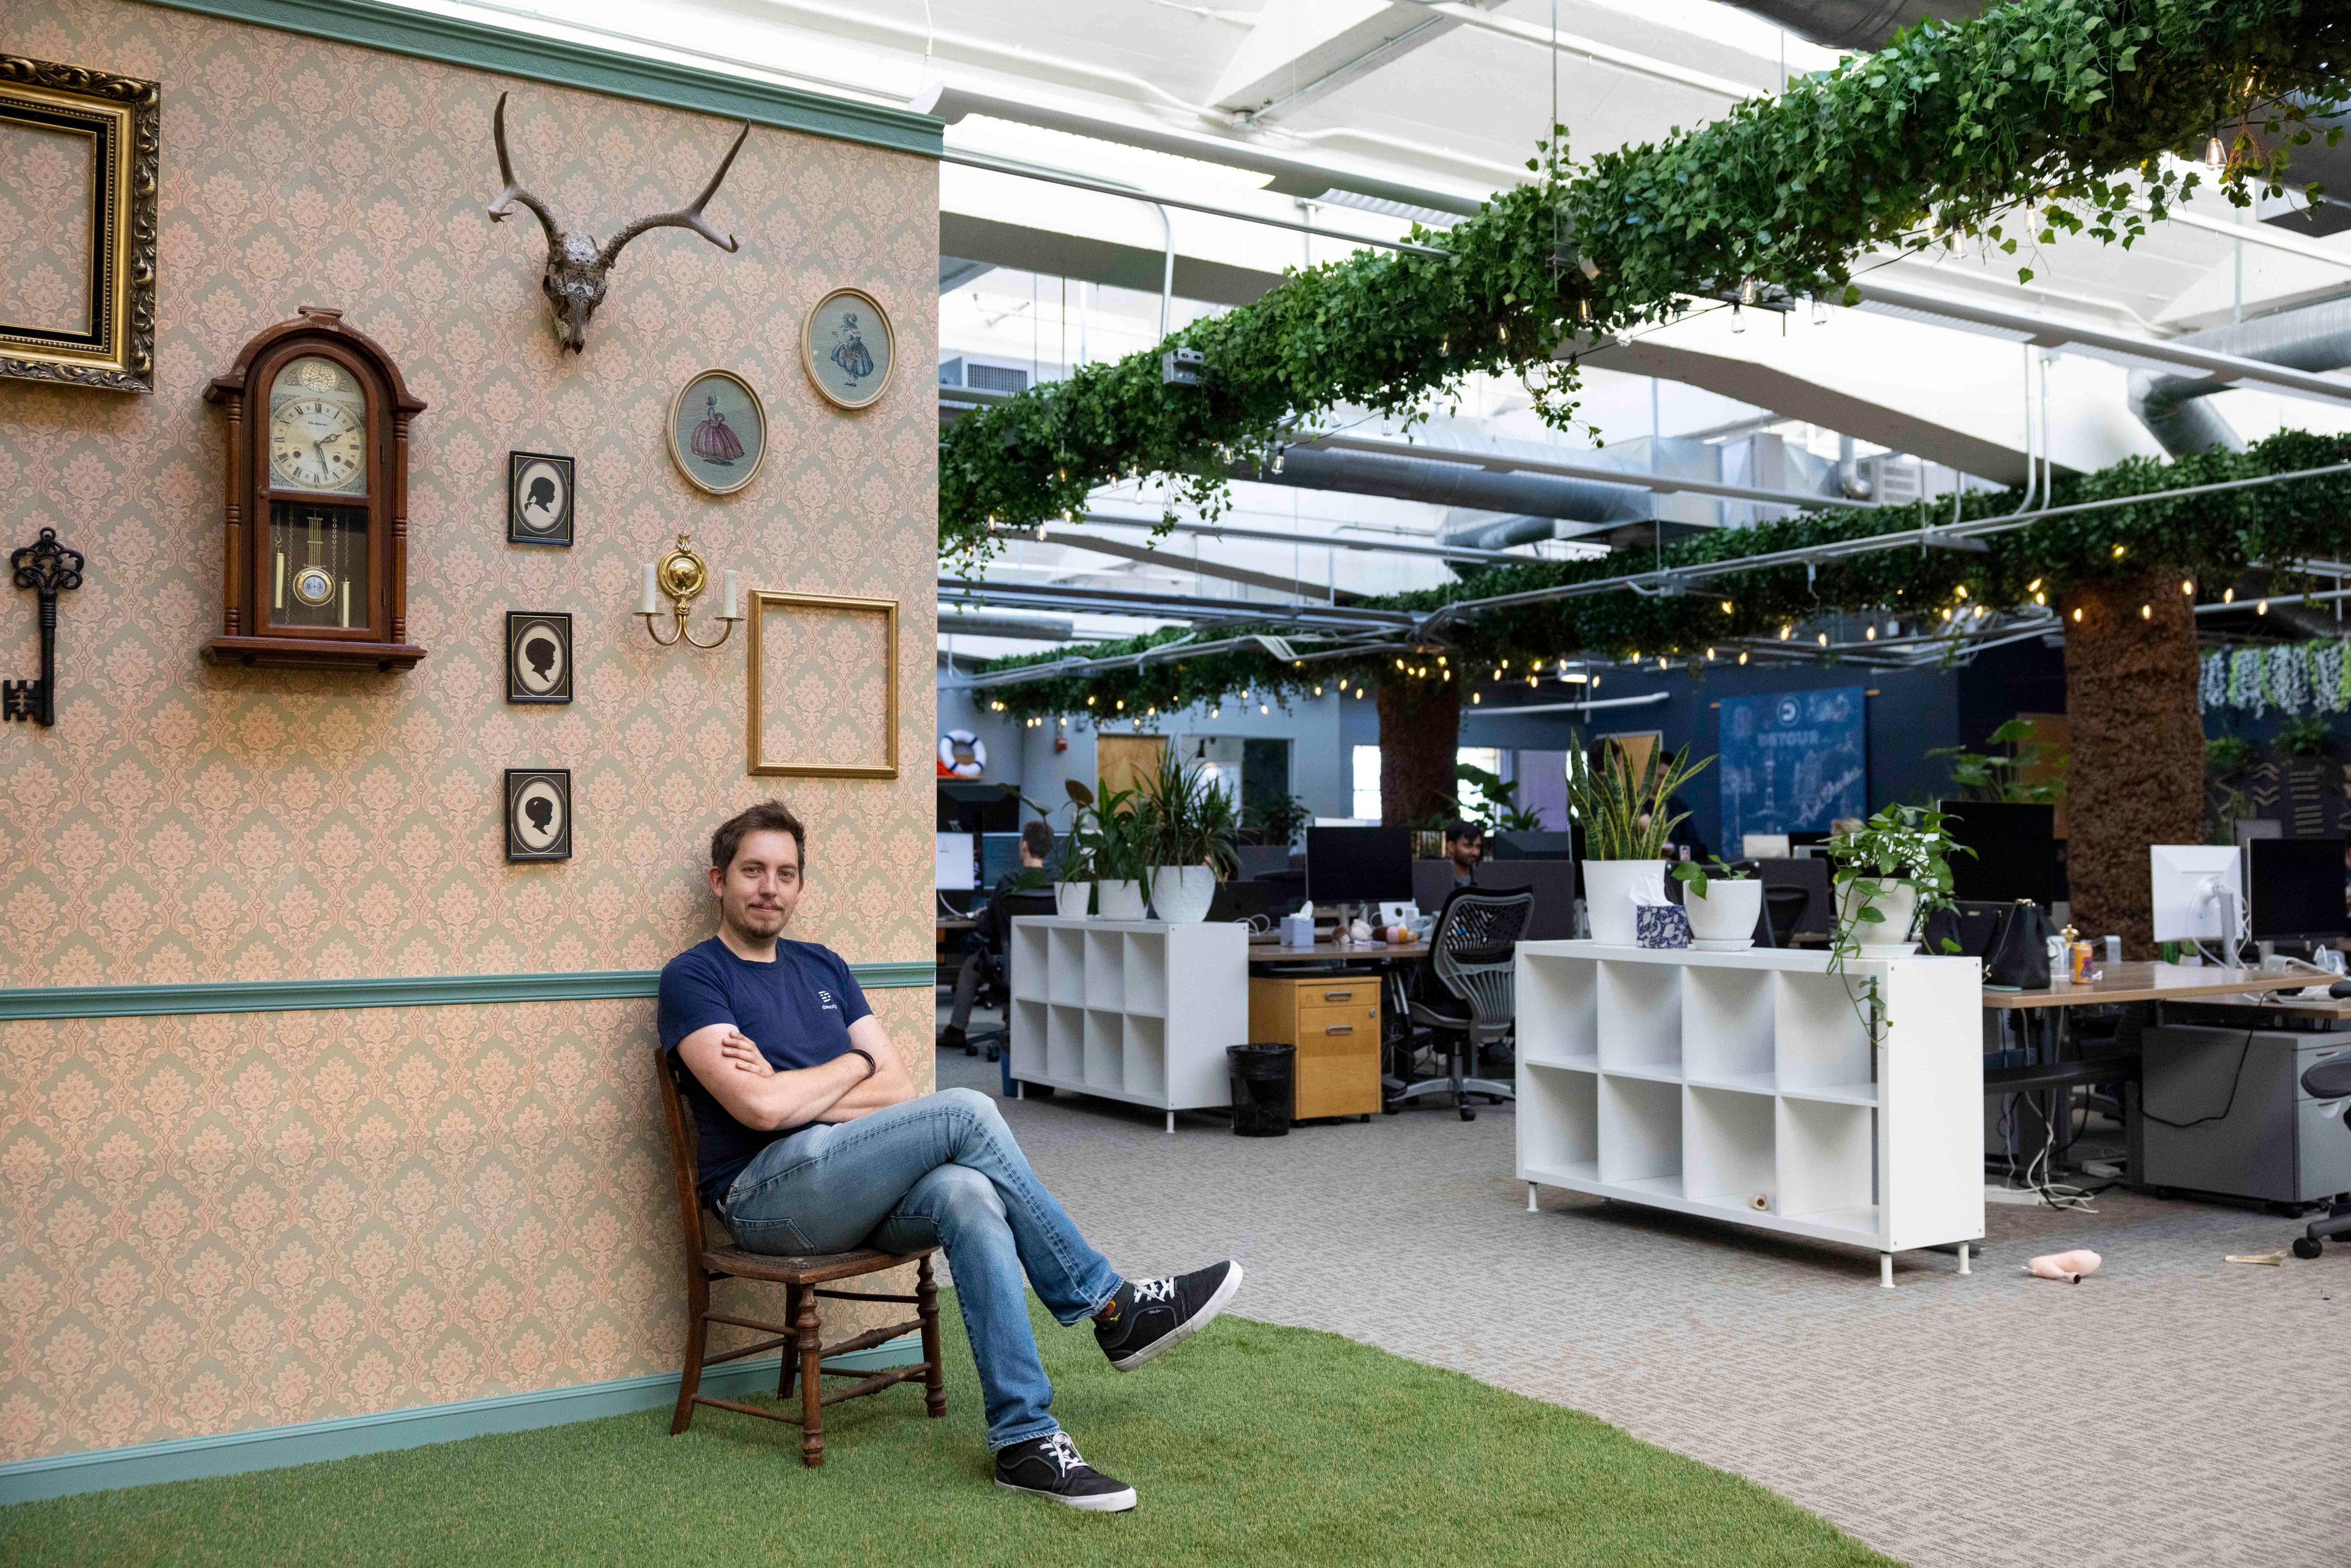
(78, 295)
(826, 701)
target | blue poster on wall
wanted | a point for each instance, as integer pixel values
(1793, 762)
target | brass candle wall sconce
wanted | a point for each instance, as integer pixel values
(680, 576)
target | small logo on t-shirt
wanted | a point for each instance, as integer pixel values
(824, 1002)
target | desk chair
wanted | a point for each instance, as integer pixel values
(1468, 993)
(801, 1277)
(995, 959)
(2329, 1080)
(1782, 907)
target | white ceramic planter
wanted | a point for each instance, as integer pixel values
(1180, 893)
(1899, 902)
(1724, 920)
(1071, 899)
(1118, 900)
(1608, 889)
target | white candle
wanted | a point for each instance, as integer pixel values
(734, 593)
(645, 606)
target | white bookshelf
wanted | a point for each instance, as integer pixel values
(1091, 1014)
(1695, 1082)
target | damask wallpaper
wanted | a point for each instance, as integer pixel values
(217, 1222)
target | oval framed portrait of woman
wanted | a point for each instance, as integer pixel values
(849, 347)
(717, 432)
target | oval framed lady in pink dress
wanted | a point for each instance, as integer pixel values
(717, 432)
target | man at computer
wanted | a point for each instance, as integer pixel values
(1035, 847)
(1465, 846)
(811, 1139)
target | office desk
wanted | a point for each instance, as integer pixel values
(1263, 954)
(2140, 983)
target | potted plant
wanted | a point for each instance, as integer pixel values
(1895, 869)
(1108, 834)
(1624, 813)
(1723, 905)
(1188, 829)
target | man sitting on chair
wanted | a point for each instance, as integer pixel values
(813, 1140)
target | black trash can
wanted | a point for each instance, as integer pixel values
(1265, 1088)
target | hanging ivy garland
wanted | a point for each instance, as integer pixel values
(2209, 539)
(2038, 116)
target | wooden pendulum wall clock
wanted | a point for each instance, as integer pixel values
(316, 536)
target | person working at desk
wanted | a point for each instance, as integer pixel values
(1465, 846)
(1036, 844)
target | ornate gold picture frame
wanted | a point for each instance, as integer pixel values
(83, 147)
(830, 700)
(848, 348)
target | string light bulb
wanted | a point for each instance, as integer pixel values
(2188, 588)
(2119, 550)
(1824, 639)
(1726, 606)
(2227, 596)
(2077, 615)
(2147, 612)
(1786, 632)
(2262, 608)
(1742, 655)
(1869, 634)
(2033, 587)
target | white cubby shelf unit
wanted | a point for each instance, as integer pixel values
(1703, 1081)
(1139, 1010)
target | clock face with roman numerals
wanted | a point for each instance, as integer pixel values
(318, 429)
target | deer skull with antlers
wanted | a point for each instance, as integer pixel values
(578, 270)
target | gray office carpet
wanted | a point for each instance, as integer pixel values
(2172, 1409)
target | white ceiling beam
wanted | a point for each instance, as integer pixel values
(1307, 49)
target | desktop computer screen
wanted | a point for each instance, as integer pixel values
(999, 855)
(2297, 888)
(2015, 850)
(953, 864)
(1358, 865)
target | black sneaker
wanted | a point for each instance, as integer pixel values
(1051, 1467)
(1148, 1316)
(954, 1039)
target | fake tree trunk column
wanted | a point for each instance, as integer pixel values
(1420, 731)
(2136, 730)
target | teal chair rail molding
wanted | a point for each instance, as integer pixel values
(452, 40)
(272, 1447)
(26, 1003)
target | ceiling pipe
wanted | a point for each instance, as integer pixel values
(1440, 483)
(1857, 24)
(2314, 338)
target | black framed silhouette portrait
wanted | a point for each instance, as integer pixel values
(538, 813)
(539, 656)
(539, 498)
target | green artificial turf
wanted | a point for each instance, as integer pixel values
(1252, 1443)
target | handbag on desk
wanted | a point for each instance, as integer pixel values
(2012, 942)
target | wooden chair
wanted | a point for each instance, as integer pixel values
(801, 1277)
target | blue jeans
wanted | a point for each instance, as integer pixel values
(940, 1171)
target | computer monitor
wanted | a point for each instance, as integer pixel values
(999, 855)
(2015, 850)
(954, 861)
(1358, 865)
(2297, 888)
(2196, 894)
(1532, 846)
(1764, 846)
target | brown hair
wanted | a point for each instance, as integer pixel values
(767, 817)
(1039, 837)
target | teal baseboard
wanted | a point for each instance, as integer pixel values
(275, 1448)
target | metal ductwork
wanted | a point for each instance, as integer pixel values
(1540, 495)
(1857, 24)
(2316, 337)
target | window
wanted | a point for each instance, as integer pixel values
(1366, 778)
(1488, 759)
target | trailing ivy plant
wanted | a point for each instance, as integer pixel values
(2208, 539)
(2039, 116)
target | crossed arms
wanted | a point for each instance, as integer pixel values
(759, 1096)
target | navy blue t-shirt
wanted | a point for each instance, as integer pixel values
(797, 1010)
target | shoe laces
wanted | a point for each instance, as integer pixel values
(1063, 1453)
(1155, 1290)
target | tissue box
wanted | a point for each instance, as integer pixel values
(1298, 931)
(1661, 925)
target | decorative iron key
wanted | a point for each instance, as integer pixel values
(48, 569)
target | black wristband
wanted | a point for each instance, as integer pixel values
(871, 1066)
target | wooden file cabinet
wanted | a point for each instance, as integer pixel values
(1335, 1022)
